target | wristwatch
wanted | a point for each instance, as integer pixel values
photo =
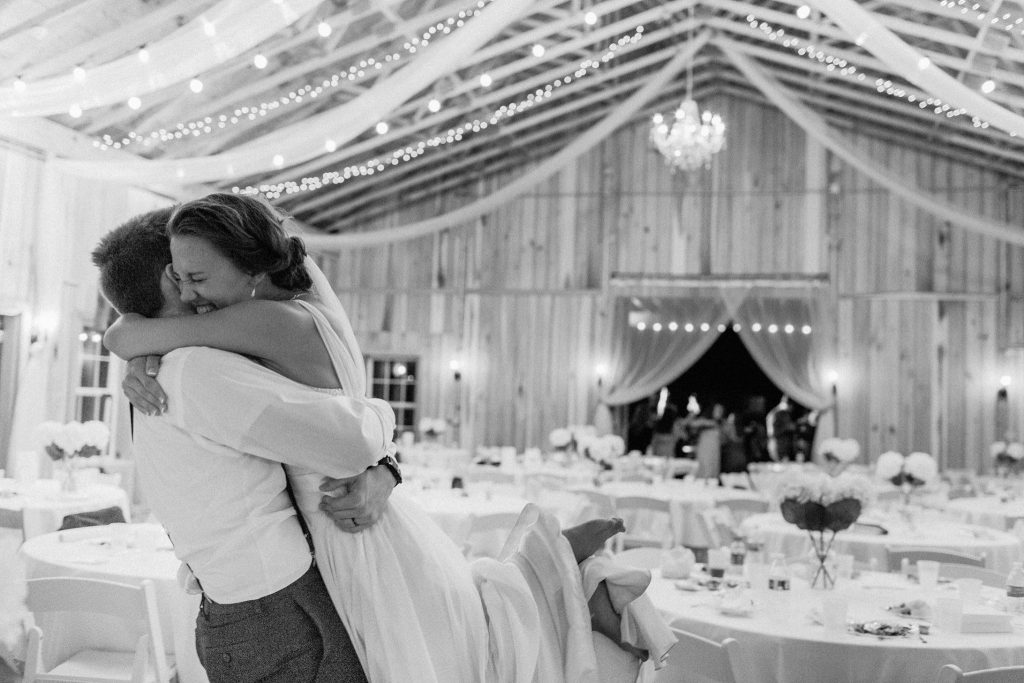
(392, 464)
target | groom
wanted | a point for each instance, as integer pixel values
(210, 467)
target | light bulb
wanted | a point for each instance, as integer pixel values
(260, 61)
(324, 29)
(538, 50)
(382, 128)
(134, 102)
(195, 85)
(434, 105)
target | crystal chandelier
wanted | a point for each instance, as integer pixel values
(693, 138)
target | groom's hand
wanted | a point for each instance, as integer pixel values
(357, 503)
(139, 385)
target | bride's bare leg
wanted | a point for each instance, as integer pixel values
(589, 537)
(605, 620)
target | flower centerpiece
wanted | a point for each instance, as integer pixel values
(836, 454)
(908, 473)
(1008, 457)
(431, 428)
(65, 442)
(603, 450)
(566, 442)
(823, 506)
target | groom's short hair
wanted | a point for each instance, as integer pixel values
(132, 258)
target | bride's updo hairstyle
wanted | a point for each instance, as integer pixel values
(249, 233)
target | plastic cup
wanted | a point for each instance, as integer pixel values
(928, 573)
(833, 611)
(949, 614)
(970, 590)
(844, 567)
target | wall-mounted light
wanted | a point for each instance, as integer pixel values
(456, 367)
(399, 369)
(600, 371)
(1004, 385)
(44, 326)
(833, 378)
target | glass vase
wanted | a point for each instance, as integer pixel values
(824, 576)
(69, 481)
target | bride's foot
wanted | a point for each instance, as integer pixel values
(587, 538)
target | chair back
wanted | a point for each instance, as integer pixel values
(601, 504)
(953, 571)
(718, 526)
(741, 508)
(643, 558)
(951, 673)
(698, 659)
(487, 533)
(896, 554)
(648, 521)
(134, 604)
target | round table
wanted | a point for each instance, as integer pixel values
(453, 509)
(1001, 549)
(39, 507)
(686, 500)
(128, 553)
(990, 511)
(782, 641)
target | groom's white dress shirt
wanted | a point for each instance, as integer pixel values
(210, 469)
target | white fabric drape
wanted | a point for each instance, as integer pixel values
(304, 140)
(643, 361)
(238, 25)
(795, 361)
(894, 182)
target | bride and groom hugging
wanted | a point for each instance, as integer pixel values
(390, 600)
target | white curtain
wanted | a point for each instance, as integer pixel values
(643, 361)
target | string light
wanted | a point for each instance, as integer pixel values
(260, 62)
(78, 73)
(19, 84)
(673, 326)
(434, 106)
(884, 86)
(454, 134)
(1007, 22)
(195, 85)
(486, 80)
(134, 102)
(324, 29)
(144, 55)
(357, 72)
(538, 50)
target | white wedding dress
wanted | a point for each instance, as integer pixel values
(417, 610)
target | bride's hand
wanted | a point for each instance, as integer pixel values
(357, 503)
(140, 387)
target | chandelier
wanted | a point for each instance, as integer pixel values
(692, 139)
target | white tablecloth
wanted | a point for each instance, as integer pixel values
(686, 500)
(435, 456)
(989, 511)
(129, 554)
(781, 643)
(453, 509)
(1000, 548)
(41, 506)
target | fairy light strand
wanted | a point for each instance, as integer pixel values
(840, 66)
(452, 135)
(355, 73)
(1007, 21)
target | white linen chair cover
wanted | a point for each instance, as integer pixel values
(698, 659)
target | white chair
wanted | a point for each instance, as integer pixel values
(136, 605)
(601, 504)
(741, 508)
(953, 571)
(648, 522)
(643, 558)
(487, 533)
(695, 658)
(951, 673)
(913, 554)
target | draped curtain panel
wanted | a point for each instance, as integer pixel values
(643, 361)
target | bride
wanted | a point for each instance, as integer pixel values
(414, 607)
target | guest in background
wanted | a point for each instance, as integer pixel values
(663, 441)
(751, 425)
(733, 457)
(641, 427)
(781, 431)
(806, 426)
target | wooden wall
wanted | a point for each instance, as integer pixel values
(926, 311)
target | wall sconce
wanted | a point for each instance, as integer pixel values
(1004, 385)
(456, 368)
(44, 326)
(601, 371)
(833, 378)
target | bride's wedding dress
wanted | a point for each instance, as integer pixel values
(417, 610)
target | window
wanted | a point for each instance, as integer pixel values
(394, 380)
(98, 379)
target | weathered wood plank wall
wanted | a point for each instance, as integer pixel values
(925, 310)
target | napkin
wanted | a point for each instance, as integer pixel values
(641, 625)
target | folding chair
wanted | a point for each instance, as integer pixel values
(487, 533)
(895, 556)
(136, 605)
(741, 508)
(695, 658)
(951, 673)
(648, 522)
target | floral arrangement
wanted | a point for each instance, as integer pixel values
(819, 503)
(836, 454)
(603, 449)
(560, 438)
(1008, 455)
(914, 470)
(73, 439)
(571, 438)
(433, 426)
